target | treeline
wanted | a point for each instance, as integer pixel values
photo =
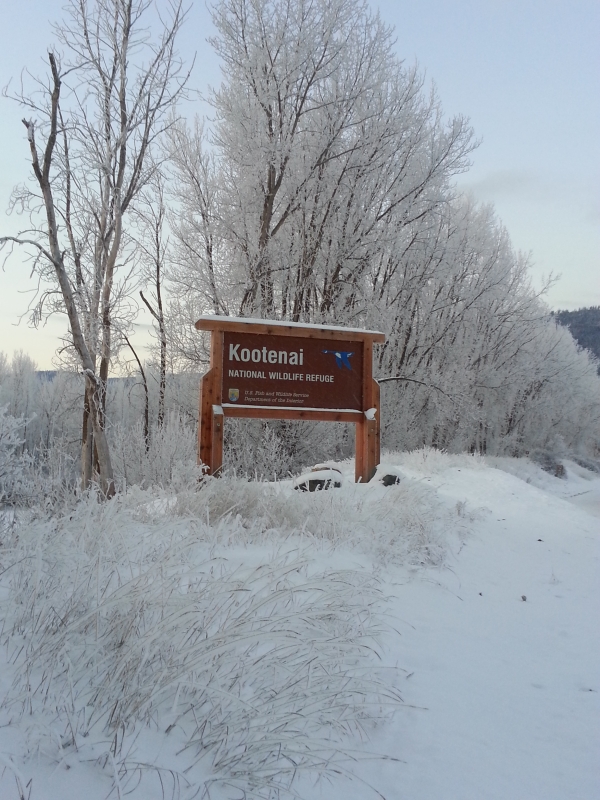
(321, 191)
(584, 324)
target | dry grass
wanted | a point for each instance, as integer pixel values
(143, 612)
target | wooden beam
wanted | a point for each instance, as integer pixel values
(287, 413)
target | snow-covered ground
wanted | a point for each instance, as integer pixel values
(471, 589)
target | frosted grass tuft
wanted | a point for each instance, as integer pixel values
(208, 617)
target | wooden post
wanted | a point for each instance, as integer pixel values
(216, 361)
(377, 455)
(217, 440)
(210, 424)
(205, 428)
(359, 452)
(367, 430)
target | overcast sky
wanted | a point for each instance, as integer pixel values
(526, 73)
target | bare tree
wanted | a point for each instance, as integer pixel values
(91, 130)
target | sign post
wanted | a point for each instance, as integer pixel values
(284, 370)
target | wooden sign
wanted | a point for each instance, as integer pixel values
(282, 370)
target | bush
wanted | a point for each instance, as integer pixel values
(13, 463)
(170, 454)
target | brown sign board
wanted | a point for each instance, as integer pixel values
(281, 370)
(263, 370)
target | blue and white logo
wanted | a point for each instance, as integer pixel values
(341, 359)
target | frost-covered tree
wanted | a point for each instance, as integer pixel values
(476, 359)
(91, 128)
(324, 144)
(199, 272)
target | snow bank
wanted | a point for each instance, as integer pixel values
(201, 620)
(243, 639)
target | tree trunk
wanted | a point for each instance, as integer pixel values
(105, 478)
(87, 441)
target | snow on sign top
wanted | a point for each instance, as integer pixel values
(210, 322)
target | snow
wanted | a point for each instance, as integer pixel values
(323, 474)
(277, 323)
(511, 684)
(488, 584)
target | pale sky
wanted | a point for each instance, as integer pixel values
(525, 72)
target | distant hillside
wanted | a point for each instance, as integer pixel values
(584, 325)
